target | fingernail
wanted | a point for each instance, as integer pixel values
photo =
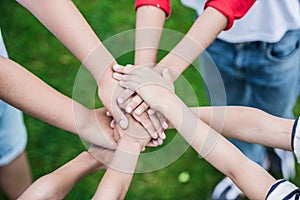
(107, 113)
(128, 109)
(137, 118)
(160, 141)
(165, 125)
(120, 100)
(112, 123)
(138, 111)
(163, 135)
(112, 146)
(155, 135)
(155, 142)
(151, 112)
(122, 124)
(116, 66)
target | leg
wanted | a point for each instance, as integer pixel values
(15, 175)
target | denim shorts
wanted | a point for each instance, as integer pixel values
(13, 135)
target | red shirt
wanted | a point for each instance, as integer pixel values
(232, 9)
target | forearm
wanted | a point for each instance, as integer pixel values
(202, 33)
(117, 178)
(27, 92)
(248, 124)
(58, 183)
(149, 23)
(65, 21)
(212, 147)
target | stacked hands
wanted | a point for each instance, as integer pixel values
(146, 100)
(140, 83)
(146, 123)
(136, 102)
(113, 148)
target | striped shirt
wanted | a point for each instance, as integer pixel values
(283, 190)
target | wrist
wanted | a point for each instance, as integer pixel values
(106, 76)
(126, 143)
(107, 88)
(98, 61)
(85, 159)
(159, 67)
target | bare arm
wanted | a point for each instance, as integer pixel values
(248, 124)
(149, 23)
(65, 21)
(201, 34)
(57, 184)
(27, 92)
(206, 141)
(117, 178)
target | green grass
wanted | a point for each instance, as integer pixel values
(31, 45)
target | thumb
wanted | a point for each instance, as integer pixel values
(166, 74)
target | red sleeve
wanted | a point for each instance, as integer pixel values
(232, 9)
(162, 4)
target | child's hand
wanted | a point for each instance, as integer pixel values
(93, 126)
(147, 83)
(133, 78)
(156, 121)
(135, 133)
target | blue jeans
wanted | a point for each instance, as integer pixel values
(256, 74)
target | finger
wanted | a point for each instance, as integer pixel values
(116, 135)
(122, 69)
(156, 123)
(133, 103)
(151, 144)
(136, 117)
(125, 96)
(129, 85)
(112, 123)
(141, 108)
(155, 142)
(107, 113)
(147, 124)
(119, 68)
(123, 77)
(159, 141)
(151, 111)
(162, 120)
(166, 74)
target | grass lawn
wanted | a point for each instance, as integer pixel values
(34, 47)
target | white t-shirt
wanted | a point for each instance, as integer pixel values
(3, 51)
(267, 20)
